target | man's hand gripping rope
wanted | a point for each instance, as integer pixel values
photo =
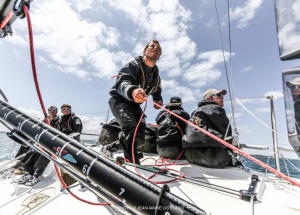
(139, 96)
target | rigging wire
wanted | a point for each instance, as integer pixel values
(260, 120)
(231, 75)
(225, 64)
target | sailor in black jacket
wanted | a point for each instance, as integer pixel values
(211, 116)
(135, 81)
(69, 123)
(171, 129)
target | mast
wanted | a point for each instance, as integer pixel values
(274, 132)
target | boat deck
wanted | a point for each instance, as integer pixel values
(216, 191)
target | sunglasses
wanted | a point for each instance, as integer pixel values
(68, 109)
(52, 110)
(219, 95)
(294, 87)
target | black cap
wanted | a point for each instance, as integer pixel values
(175, 100)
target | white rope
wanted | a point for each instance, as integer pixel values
(260, 120)
(285, 159)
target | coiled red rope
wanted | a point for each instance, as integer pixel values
(180, 176)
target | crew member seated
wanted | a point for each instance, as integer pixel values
(171, 129)
(210, 115)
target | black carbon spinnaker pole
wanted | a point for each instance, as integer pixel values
(136, 192)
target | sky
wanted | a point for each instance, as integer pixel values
(80, 45)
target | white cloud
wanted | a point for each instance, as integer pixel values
(237, 116)
(295, 9)
(70, 40)
(173, 88)
(244, 13)
(205, 72)
(289, 36)
(247, 68)
(83, 5)
(177, 47)
(104, 63)
(91, 124)
(134, 9)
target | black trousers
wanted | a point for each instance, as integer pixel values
(22, 150)
(128, 115)
(36, 162)
(211, 157)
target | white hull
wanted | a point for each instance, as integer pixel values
(279, 197)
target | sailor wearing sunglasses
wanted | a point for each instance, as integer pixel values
(294, 86)
(210, 115)
(70, 124)
(215, 95)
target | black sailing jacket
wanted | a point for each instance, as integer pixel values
(170, 134)
(212, 118)
(70, 124)
(133, 76)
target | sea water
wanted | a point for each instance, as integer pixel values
(289, 167)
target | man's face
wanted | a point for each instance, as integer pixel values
(66, 110)
(153, 51)
(295, 91)
(218, 98)
(52, 111)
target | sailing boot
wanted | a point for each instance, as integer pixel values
(34, 179)
(25, 178)
(109, 149)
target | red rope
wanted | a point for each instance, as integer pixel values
(276, 172)
(42, 103)
(33, 62)
(6, 19)
(67, 188)
(180, 176)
